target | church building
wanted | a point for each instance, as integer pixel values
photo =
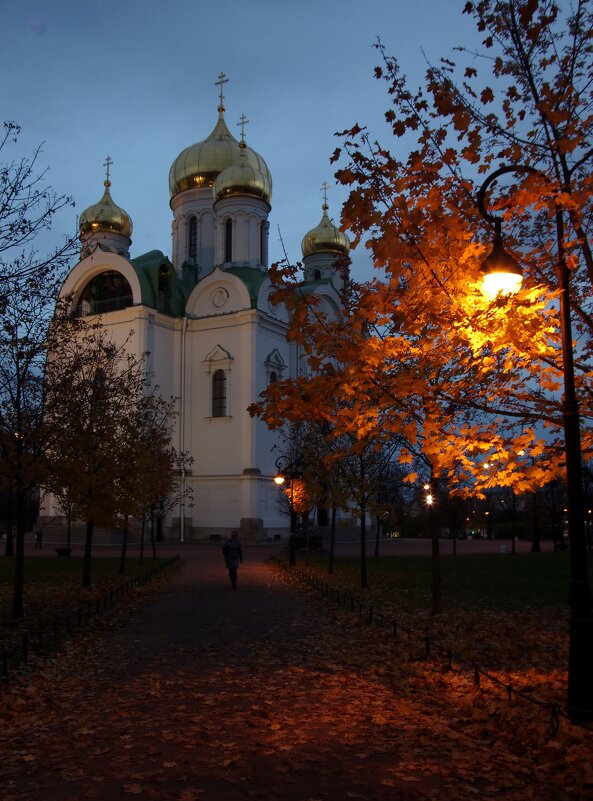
(214, 338)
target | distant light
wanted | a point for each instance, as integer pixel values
(279, 480)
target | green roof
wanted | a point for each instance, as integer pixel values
(150, 269)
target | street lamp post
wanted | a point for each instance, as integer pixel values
(285, 467)
(497, 268)
(429, 500)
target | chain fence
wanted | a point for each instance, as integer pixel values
(372, 616)
(55, 630)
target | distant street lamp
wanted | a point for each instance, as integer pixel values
(503, 275)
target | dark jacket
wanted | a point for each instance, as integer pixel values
(233, 553)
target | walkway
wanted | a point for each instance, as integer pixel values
(205, 693)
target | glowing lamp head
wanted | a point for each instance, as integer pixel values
(501, 274)
(429, 499)
(279, 480)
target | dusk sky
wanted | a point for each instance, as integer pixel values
(136, 80)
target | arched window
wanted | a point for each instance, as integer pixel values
(262, 244)
(106, 292)
(228, 241)
(273, 377)
(219, 394)
(317, 275)
(192, 240)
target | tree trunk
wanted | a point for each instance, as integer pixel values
(535, 544)
(9, 549)
(363, 531)
(332, 542)
(363, 549)
(19, 566)
(88, 546)
(142, 529)
(436, 568)
(152, 533)
(124, 548)
(377, 536)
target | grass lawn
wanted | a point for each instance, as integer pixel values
(53, 589)
(503, 611)
(490, 581)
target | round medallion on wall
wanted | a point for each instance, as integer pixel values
(219, 297)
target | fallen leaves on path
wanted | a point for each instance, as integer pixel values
(315, 706)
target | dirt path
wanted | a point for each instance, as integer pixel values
(205, 693)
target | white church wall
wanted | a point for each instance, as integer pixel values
(193, 202)
(221, 329)
(219, 293)
(247, 215)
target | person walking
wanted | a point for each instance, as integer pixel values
(233, 556)
(39, 538)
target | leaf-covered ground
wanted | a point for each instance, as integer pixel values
(203, 692)
(53, 591)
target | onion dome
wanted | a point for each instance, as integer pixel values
(105, 216)
(243, 179)
(200, 164)
(325, 238)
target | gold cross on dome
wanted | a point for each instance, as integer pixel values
(324, 188)
(222, 79)
(243, 122)
(107, 164)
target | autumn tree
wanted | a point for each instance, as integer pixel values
(325, 478)
(29, 283)
(152, 481)
(28, 206)
(113, 411)
(420, 350)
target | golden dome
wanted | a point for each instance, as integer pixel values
(325, 238)
(243, 179)
(199, 164)
(105, 216)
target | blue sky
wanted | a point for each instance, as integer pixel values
(135, 80)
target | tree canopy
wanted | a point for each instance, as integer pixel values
(468, 385)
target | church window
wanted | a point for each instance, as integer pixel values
(219, 394)
(273, 377)
(317, 275)
(192, 240)
(228, 241)
(108, 291)
(262, 243)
